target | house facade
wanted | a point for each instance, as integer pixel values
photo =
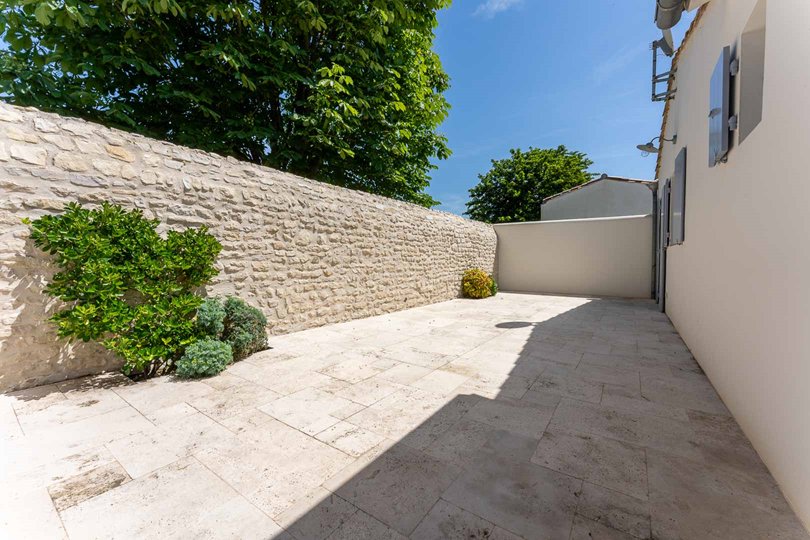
(734, 256)
(606, 196)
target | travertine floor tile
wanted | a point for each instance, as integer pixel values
(451, 522)
(606, 462)
(531, 501)
(181, 500)
(514, 416)
(399, 487)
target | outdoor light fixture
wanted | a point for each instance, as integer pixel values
(650, 148)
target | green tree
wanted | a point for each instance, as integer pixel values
(514, 188)
(344, 91)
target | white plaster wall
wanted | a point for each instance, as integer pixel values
(601, 257)
(738, 288)
(604, 198)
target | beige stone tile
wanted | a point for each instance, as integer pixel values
(621, 398)
(399, 487)
(403, 373)
(519, 417)
(697, 394)
(222, 381)
(247, 420)
(153, 394)
(411, 355)
(414, 416)
(89, 432)
(691, 500)
(615, 510)
(233, 400)
(497, 385)
(369, 391)
(309, 410)
(566, 383)
(171, 413)
(586, 529)
(440, 382)
(451, 522)
(609, 463)
(361, 526)
(316, 516)
(31, 400)
(77, 489)
(182, 500)
(647, 431)
(29, 515)
(66, 411)
(524, 498)
(461, 444)
(274, 466)
(155, 447)
(352, 367)
(349, 438)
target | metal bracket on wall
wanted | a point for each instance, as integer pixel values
(659, 78)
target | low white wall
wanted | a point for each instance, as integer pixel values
(601, 257)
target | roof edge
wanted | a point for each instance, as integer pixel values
(595, 180)
(665, 115)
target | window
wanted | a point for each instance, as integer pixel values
(752, 70)
(677, 200)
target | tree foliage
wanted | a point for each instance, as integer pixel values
(344, 91)
(125, 285)
(514, 188)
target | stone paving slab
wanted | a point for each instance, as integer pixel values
(518, 416)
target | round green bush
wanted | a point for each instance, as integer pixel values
(245, 328)
(204, 358)
(475, 283)
(211, 318)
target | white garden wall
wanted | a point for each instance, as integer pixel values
(602, 256)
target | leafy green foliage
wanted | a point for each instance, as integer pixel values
(475, 283)
(204, 358)
(245, 328)
(125, 285)
(211, 318)
(344, 91)
(514, 188)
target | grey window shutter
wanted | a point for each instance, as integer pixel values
(677, 204)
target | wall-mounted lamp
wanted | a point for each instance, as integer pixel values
(650, 148)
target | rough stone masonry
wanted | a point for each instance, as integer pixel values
(305, 252)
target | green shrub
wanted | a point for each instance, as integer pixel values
(245, 328)
(204, 358)
(211, 318)
(125, 285)
(475, 283)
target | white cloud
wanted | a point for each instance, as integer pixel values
(490, 8)
(616, 62)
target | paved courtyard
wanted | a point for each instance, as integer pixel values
(519, 416)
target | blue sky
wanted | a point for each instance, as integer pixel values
(542, 73)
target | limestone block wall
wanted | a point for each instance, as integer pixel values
(305, 252)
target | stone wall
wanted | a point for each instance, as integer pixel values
(305, 252)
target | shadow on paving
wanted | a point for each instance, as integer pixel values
(601, 426)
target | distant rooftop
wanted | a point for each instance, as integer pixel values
(603, 177)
